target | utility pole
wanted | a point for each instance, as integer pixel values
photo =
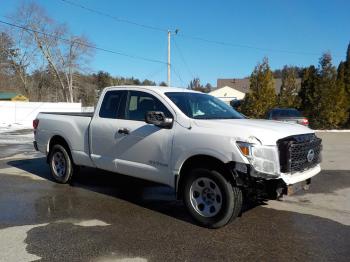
(168, 82)
(169, 65)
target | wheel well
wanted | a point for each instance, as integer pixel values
(202, 161)
(60, 141)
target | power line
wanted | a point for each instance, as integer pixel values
(183, 59)
(153, 74)
(84, 44)
(188, 36)
(178, 76)
(245, 46)
(118, 19)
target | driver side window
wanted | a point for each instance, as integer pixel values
(139, 103)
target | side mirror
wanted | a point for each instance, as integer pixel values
(158, 118)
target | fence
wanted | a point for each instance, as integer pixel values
(23, 113)
(88, 109)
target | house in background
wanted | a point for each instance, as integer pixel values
(6, 96)
(227, 94)
(235, 89)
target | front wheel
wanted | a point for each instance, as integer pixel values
(210, 198)
(61, 164)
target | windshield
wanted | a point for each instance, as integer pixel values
(202, 106)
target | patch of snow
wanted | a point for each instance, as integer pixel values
(91, 223)
(16, 135)
(114, 259)
(15, 139)
(5, 127)
(85, 223)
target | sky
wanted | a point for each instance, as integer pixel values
(287, 32)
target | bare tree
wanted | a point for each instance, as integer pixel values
(5, 68)
(195, 84)
(63, 53)
(17, 56)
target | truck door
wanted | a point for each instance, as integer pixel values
(104, 128)
(137, 149)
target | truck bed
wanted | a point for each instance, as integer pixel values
(73, 127)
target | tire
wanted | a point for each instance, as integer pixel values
(210, 198)
(61, 164)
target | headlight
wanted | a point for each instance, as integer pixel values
(264, 159)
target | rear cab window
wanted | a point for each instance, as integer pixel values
(113, 104)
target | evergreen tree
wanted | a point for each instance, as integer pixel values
(298, 71)
(262, 95)
(195, 84)
(332, 100)
(288, 96)
(135, 81)
(147, 82)
(342, 92)
(309, 98)
(347, 71)
(347, 79)
(103, 79)
(207, 88)
(342, 102)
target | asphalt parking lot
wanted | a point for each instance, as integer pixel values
(105, 217)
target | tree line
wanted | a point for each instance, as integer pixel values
(44, 61)
(195, 84)
(323, 94)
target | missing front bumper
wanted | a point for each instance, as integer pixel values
(297, 187)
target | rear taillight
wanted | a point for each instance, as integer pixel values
(35, 123)
(305, 122)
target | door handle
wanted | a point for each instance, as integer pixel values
(123, 131)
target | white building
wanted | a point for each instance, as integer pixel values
(232, 89)
(227, 94)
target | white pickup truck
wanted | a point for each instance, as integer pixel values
(193, 142)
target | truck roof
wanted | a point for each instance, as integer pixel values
(158, 89)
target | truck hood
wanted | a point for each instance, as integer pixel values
(267, 131)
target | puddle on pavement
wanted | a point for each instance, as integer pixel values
(144, 220)
(127, 218)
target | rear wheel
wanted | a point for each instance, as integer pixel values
(210, 198)
(61, 164)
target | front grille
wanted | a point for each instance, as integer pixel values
(299, 153)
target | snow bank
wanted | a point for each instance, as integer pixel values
(16, 134)
(22, 114)
(5, 127)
